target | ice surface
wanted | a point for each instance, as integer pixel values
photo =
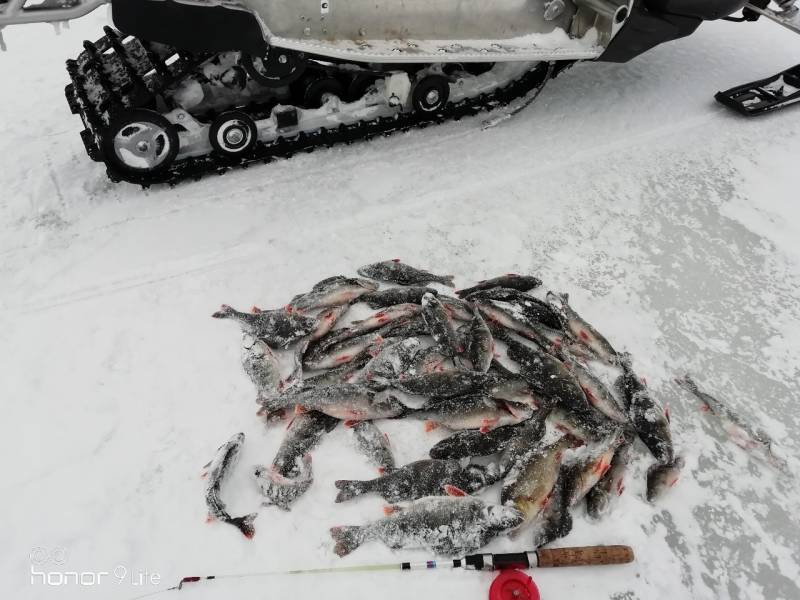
(672, 222)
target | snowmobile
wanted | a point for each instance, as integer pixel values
(182, 88)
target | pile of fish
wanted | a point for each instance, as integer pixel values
(537, 400)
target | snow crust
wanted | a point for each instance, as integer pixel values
(672, 223)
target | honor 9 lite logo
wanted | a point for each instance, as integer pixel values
(47, 568)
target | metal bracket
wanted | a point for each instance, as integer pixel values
(17, 12)
(787, 14)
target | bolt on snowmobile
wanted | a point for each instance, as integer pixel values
(181, 88)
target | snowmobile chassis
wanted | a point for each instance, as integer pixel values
(230, 90)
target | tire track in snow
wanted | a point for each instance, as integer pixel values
(177, 269)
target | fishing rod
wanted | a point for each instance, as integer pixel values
(552, 557)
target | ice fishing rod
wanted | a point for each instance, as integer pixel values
(552, 557)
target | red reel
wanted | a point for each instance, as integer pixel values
(513, 585)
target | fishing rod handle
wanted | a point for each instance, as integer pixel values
(584, 556)
(554, 557)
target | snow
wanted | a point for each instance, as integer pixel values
(672, 223)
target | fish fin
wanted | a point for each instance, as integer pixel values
(666, 414)
(452, 490)
(430, 426)
(350, 423)
(705, 408)
(446, 280)
(386, 437)
(349, 489)
(390, 509)
(487, 425)
(255, 310)
(299, 409)
(289, 424)
(347, 538)
(208, 464)
(381, 470)
(204, 475)
(210, 519)
(224, 312)
(245, 525)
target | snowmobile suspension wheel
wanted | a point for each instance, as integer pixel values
(233, 133)
(359, 85)
(431, 94)
(278, 68)
(140, 141)
(316, 89)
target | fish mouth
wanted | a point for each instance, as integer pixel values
(223, 312)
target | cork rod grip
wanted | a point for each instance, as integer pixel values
(585, 555)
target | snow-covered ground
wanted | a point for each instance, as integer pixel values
(672, 222)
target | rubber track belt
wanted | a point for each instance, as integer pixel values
(285, 147)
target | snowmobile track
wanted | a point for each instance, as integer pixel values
(141, 70)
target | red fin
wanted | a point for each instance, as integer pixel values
(487, 425)
(350, 423)
(395, 260)
(583, 335)
(705, 408)
(381, 470)
(452, 490)
(430, 425)
(204, 475)
(255, 310)
(299, 409)
(209, 519)
(666, 413)
(386, 437)
(261, 411)
(390, 509)
(289, 424)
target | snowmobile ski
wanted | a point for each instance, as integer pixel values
(765, 95)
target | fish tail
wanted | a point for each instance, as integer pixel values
(687, 383)
(347, 538)
(775, 460)
(446, 280)
(245, 524)
(349, 489)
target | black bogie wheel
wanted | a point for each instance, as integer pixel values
(478, 68)
(278, 68)
(359, 85)
(317, 88)
(430, 94)
(140, 142)
(233, 134)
